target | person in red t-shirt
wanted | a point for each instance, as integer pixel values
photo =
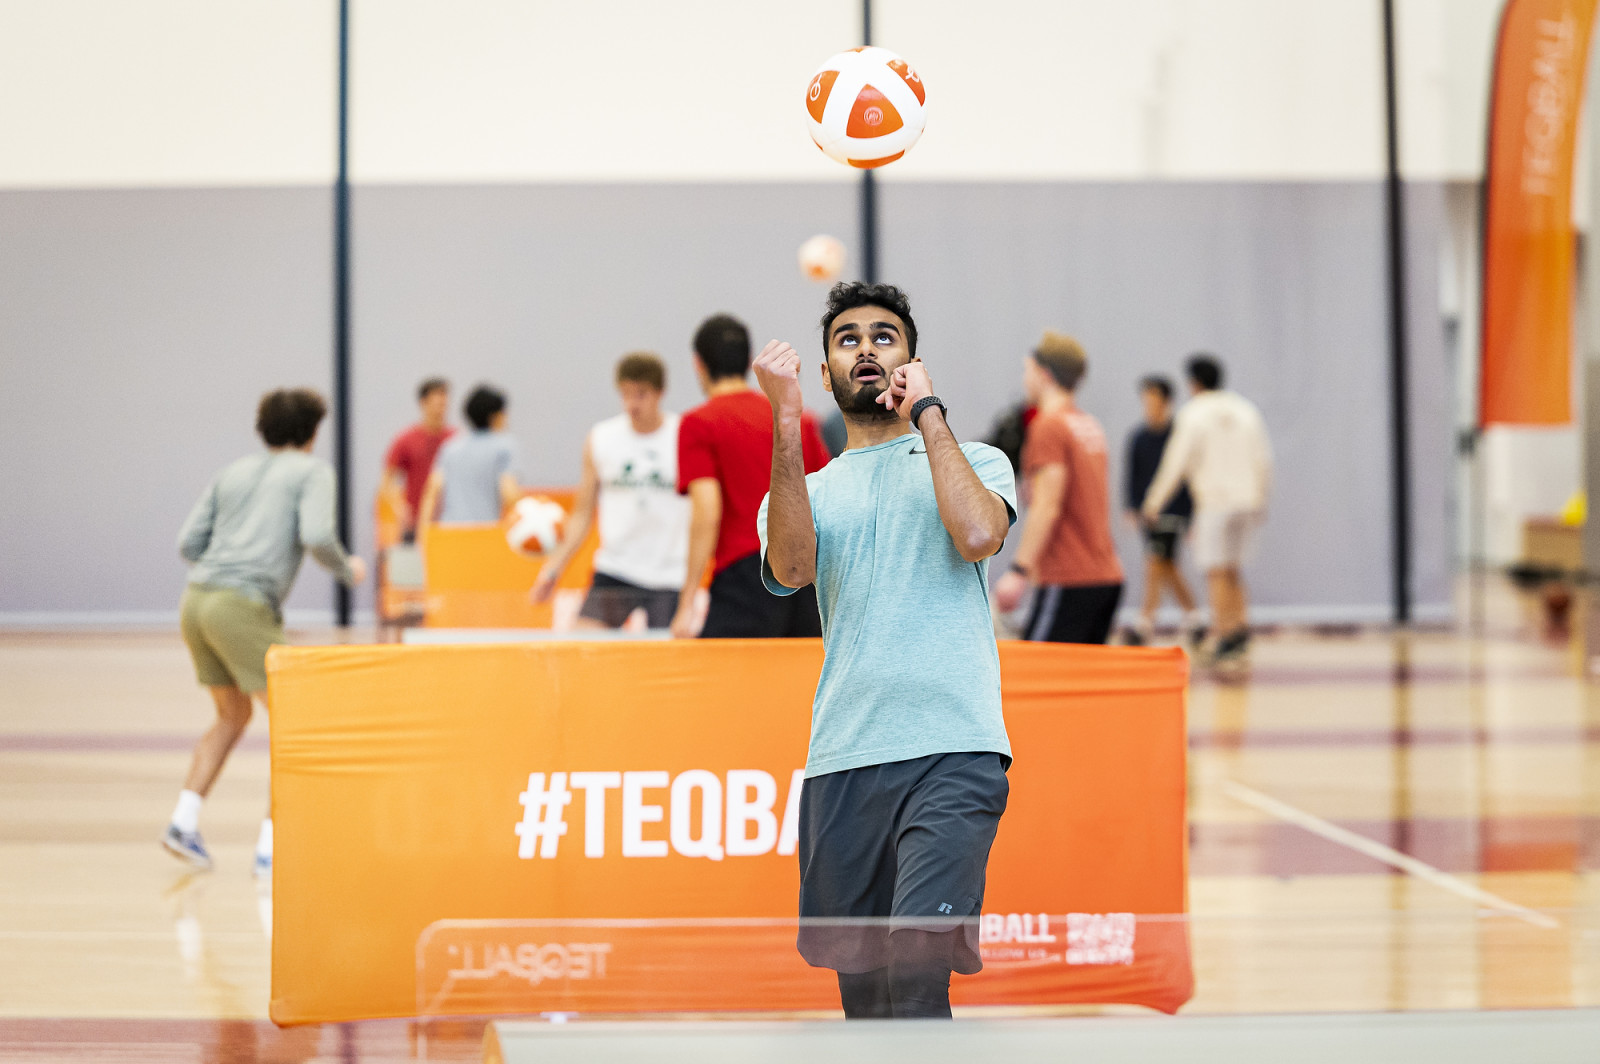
(410, 457)
(725, 467)
(1066, 546)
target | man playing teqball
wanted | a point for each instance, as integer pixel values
(906, 773)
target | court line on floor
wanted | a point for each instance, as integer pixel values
(1379, 852)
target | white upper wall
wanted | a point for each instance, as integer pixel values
(228, 92)
(167, 92)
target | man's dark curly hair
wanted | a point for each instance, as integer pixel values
(848, 295)
(289, 417)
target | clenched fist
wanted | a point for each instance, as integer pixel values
(778, 372)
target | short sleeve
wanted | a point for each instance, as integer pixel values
(994, 470)
(696, 458)
(813, 448)
(767, 578)
(1049, 443)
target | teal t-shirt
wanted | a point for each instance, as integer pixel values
(910, 666)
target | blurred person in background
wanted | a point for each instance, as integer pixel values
(245, 540)
(630, 473)
(724, 467)
(474, 473)
(1146, 445)
(410, 458)
(1066, 549)
(1219, 447)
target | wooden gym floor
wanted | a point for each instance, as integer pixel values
(1378, 822)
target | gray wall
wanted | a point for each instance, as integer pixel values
(137, 329)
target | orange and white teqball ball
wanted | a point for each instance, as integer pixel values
(534, 525)
(822, 257)
(866, 107)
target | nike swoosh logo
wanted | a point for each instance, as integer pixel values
(919, 452)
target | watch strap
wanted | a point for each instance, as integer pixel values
(921, 405)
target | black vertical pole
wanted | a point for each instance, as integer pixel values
(869, 187)
(1399, 384)
(341, 305)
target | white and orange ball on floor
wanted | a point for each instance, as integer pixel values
(535, 524)
(866, 107)
(822, 257)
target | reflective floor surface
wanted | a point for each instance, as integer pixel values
(1378, 822)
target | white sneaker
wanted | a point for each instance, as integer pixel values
(262, 868)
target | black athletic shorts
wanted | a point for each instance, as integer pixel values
(610, 600)
(1073, 614)
(1162, 536)
(905, 842)
(743, 608)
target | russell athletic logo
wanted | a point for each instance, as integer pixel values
(706, 815)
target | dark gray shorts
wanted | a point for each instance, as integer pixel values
(610, 601)
(906, 843)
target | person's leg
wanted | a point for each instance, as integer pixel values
(946, 831)
(847, 882)
(1154, 580)
(263, 859)
(211, 752)
(865, 995)
(920, 963)
(1219, 588)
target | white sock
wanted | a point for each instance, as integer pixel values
(264, 840)
(186, 816)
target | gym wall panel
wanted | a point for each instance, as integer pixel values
(139, 329)
(166, 92)
(539, 289)
(1283, 281)
(510, 90)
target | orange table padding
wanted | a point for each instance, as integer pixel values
(475, 580)
(408, 783)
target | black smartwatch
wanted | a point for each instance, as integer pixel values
(922, 405)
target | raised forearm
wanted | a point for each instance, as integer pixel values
(974, 516)
(791, 530)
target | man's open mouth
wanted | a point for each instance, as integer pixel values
(867, 373)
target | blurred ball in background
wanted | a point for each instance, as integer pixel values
(822, 257)
(866, 107)
(534, 525)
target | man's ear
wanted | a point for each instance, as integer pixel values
(827, 378)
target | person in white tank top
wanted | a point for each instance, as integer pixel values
(630, 475)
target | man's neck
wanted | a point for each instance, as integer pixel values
(871, 431)
(646, 425)
(1160, 424)
(1057, 401)
(432, 425)
(726, 386)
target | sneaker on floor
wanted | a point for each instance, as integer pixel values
(1133, 637)
(187, 846)
(1233, 646)
(263, 866)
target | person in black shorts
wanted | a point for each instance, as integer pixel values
(906, 771)
(630, 482)
(1162, 535)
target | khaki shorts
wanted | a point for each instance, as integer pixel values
(228, 634)
(1224, 539)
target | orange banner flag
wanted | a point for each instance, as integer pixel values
(1537, 94)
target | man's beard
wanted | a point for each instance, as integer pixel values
(862, 403)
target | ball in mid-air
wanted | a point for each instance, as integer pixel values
(534, 525)
(866, 107)
(822, 257)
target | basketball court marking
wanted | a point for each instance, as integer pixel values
(1379, 852)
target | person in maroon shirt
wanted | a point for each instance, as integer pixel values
(411, 455)
(725, 467)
